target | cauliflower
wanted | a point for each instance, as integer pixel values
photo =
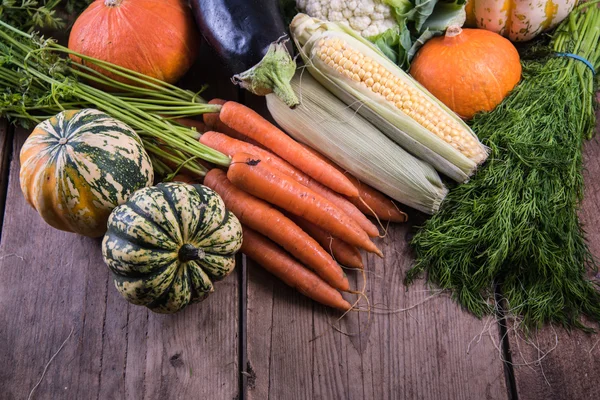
(369, 17)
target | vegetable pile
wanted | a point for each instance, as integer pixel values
(515, 223)
(364, 135)
(39, 82)
(360, 75)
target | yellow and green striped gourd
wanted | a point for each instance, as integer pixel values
(167, 244)
(77, 166)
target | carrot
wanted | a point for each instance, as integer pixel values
(212, 119)
(344, 253)
(262, 180)
(230, 146)
(213, 122)
(292, 273)
(252, 125)
(262, 217)
(378, 203)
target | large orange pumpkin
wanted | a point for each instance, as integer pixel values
(469, 70)
(154, 37)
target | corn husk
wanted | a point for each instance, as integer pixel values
(400, 127)
(326, 124)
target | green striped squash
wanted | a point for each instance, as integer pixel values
(168, 243)
(77, 166)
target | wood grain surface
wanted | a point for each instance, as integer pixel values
(6, 134)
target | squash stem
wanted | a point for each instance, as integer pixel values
(187, 252)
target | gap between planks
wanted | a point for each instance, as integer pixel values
(6, 150)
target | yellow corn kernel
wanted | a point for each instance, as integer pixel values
(347, 61)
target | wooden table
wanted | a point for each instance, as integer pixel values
(254, 337)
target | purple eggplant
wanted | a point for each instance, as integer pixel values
(250, 36)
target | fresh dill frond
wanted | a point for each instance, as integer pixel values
(515, 223)
(29, 15)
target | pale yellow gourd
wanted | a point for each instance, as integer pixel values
(518, 20)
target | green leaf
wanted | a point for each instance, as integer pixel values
(402, 9)
(418, 22)
(395, 43)
(445, 14)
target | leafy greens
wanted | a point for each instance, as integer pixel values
(418, 21)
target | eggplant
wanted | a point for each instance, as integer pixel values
(250, 36)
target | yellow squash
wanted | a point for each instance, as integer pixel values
(518, 20)
(77, 166)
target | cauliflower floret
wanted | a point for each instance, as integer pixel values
(368, 17)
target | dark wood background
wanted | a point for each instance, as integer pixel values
(254, 337)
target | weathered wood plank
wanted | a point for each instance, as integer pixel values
(420, 353)
(52, 282)
(570, 361)
(5, 153)
(431, 351)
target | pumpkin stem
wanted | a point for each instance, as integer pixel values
(453, 30)
(112, 3)
(187, 252)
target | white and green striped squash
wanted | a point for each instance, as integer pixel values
(77, 166)
(518, 20)
(167, 244)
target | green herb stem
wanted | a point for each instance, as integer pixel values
(39, 79)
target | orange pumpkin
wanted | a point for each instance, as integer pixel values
(154, 37)
(469, 70)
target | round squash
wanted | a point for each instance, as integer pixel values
(469, 70)
(167, 244)
(77, 166)
(518, 20)
(157, 38)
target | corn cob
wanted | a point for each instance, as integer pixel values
(365, 79)
(324, 122)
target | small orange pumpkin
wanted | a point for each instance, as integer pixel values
(157, 38)
(469, 70)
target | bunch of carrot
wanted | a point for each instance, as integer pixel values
(300, 213)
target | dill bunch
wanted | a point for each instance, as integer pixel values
(28, 15)
(515, 223)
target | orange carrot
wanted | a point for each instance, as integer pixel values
(230, 146)
(262, 180)
(344, 253)
(213, 122)
(262, 217)
(252, 125)
(378, 203)
(292, 273)
(212, 119)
